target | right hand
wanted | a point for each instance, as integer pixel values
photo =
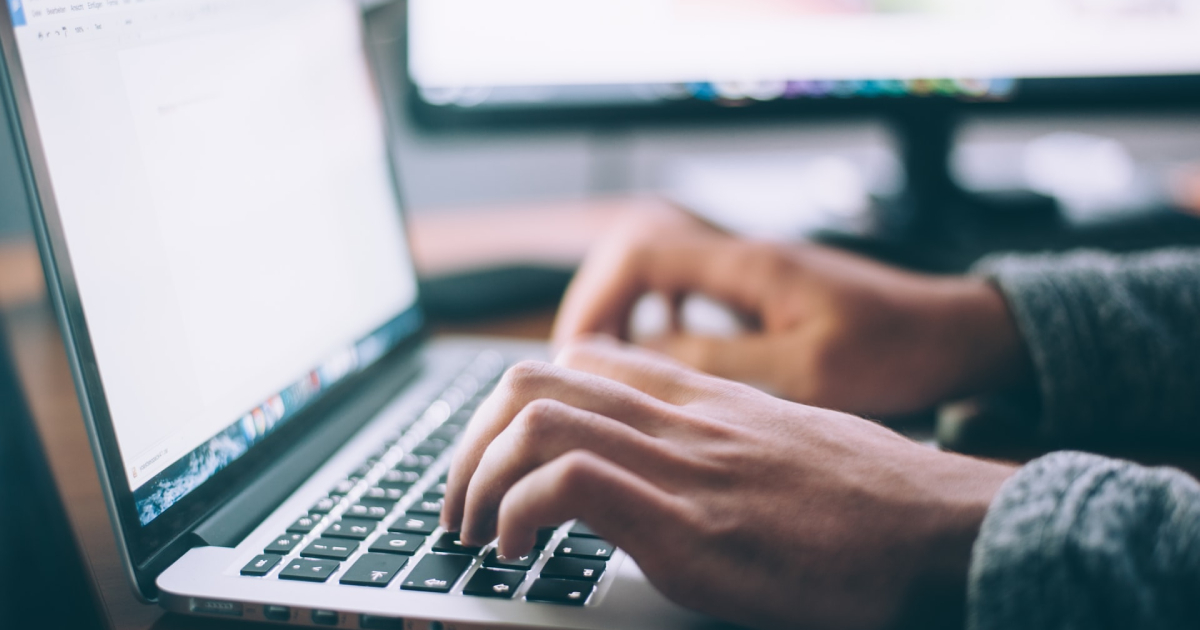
(732, 502)
(832, 329)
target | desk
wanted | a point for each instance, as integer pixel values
(443, 242)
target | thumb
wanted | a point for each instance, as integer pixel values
(754, 359)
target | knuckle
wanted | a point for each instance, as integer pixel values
(577, 469)
(525, 376)
(538, 421)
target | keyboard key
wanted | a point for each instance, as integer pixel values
(399, 478)
(584, 548)
(344, 487)
(437, 490)
(308, 570)
(261, 565)
(446, 432)
(449, 543)
(414, 463)
(572, 592)
(331, 548)
(431, 447)
(523, 563)
(379, 493)
(303, 525)
(284, 544)
(543, 537)
(429, 504)
(581, 530)
(352, 528)
(493, 583)
(371, 509)
(374, 569)
(436, 573)
(323, 506)
(406, 544)
(573, 569)
(415, 524)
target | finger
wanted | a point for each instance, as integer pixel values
(603, 293)
(624, 509)
(754, 359)
(651, 372)
(543, 431)
(530, 381)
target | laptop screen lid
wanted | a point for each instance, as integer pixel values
(218, 216)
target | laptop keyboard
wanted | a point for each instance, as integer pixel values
(378, 528)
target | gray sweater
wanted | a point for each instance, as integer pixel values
(1081, 541)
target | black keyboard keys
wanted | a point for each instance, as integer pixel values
(323, 506)
(414, 463)
(581, 530)
(415, 524)
(261, 565)
(406, 544)
(573, 569)
(436, 573)
(449, 543)
(374, 569)
(592, 548)
(493, 583)
(402, 479)
(331, 548)
(370, 508)
(543, 537)
(431, 447)
(523, 563)
(304, 524)
(284, 544)
(379, 493)
(429, 504)
(309, 570)
(352, 528)
(571, 592)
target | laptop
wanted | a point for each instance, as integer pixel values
(217, 214)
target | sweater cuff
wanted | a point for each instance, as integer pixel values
(1057, 340)
(1079, 541)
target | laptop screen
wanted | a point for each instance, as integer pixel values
(222, 180)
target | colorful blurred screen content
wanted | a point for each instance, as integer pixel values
(222, 179)
(481, 52)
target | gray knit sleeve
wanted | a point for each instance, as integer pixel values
(1115, 341)
(1075, 541)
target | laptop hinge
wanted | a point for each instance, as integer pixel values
(232, 522)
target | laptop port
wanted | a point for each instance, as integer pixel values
(325, 617)
(216, 607)
(375, 622)
(277, 613)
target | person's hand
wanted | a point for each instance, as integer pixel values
(732, 502)
(830, 328)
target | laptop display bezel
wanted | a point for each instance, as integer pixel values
(146, 550)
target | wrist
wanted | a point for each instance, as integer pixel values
(980, 336)
(965, 489)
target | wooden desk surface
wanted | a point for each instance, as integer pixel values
(443, 242)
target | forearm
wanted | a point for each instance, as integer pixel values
(1113, 340)
(1079, 541)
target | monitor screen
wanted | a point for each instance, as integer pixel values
(485, 54)
(222, 180)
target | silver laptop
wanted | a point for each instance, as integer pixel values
(217, 214)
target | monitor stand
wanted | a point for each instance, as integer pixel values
(936, 225)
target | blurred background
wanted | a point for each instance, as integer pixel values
(1126, 158)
